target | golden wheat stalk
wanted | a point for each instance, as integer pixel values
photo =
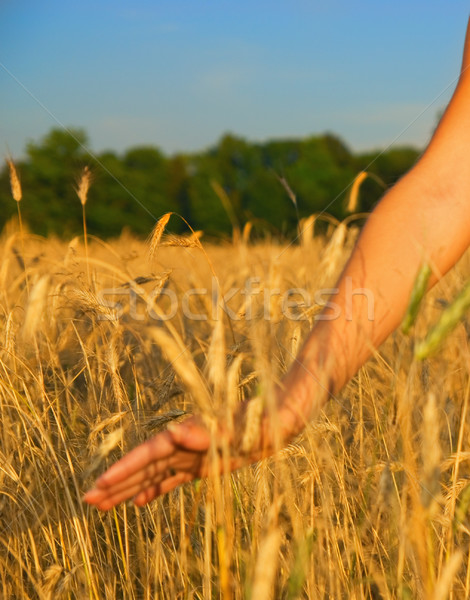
(246, 232)
(81, 190)
(334, 251)
(179, 356)
(354, 193)
(112, 360)
(155, 239)
(449, 573)
(157, 233)
(88, 302)
(254, 415)
(353, 202)
(36, 308)
(182, 241)
(461, 509)
(307, 229)
(17, 194)
(15, 184)
(83, 185)
(266, 566)
(216, 362)
(109, 443)
(431, 452)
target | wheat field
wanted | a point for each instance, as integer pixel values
(369, 502)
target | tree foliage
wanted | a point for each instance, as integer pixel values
(135, 188)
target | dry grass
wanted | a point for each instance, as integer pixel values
(370, 502)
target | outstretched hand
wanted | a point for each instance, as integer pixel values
(181, 453)
(160, 464)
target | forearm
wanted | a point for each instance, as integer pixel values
(414, 223)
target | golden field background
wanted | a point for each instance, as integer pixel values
(369, 502)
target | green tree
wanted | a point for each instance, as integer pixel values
(134, 189)
(48, 177)
(177, 186)
(128, 191)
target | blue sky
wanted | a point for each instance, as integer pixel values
(179, 73)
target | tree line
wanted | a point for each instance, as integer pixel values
(271, 184)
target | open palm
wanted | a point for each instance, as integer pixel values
(155, 467)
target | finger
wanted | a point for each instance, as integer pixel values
(155, 472)
(152, 473)
(147, 495)
(169, 484)
(156, 448)
(164, 487)
(93, 496)
(150, 476)
(104, 500)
